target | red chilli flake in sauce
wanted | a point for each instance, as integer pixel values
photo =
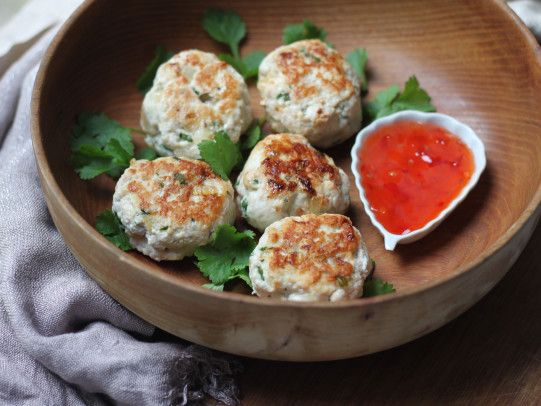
(411, 172)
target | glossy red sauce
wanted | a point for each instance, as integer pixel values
(411, 172)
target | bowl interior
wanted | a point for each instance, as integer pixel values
(472, 57)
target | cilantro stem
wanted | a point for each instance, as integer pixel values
(234, 46)
(136, 131)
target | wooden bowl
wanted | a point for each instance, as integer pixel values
(475, 58)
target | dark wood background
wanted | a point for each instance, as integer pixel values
(491, 355)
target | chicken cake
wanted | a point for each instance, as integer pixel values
(171, 206)
(194, 95)
(308, 88)
(310, 258)
(285, 176)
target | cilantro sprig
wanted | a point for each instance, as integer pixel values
(100, 145)
(229, 28)
(357, 59)
(375, 287)
(161, 55)
(305, 30)
(221, 154)
(225, 26)
(109, 225)
(226, 256)
(252, 136)
(247, 66)
(147, 153)
(392, 100)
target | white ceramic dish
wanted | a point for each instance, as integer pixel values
(461, 130)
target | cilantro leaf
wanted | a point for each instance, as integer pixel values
(249, 139)
(382, 100)
(147, 153)
(100, 145)
(251, 63)
(212, 286)
(245, 277)
(226, 256)
(220, 287)
(92, 126)
(229, 28)
(145, 81)
(248, 66)
(89, 168)
(413, 97)
(120, 158)
(221, 154)
(357, 59)
(109, 225)
(376, 287)
(226, 27)
(305, 30)
(391, 100)
(252, 136)
(234, 62)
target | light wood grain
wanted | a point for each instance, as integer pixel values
(474, 58)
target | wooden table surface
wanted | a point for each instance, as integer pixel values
(489, 355)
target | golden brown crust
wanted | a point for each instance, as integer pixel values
(230, 93)
(186, 104)
(166, 187)
(306, 246)
(194, 59)
(291, 164)
(300, 60)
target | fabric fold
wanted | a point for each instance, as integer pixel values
(63, 340)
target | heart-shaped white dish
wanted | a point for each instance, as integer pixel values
(462, 131)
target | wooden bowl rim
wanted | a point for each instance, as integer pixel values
(48, 178)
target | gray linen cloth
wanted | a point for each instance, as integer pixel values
(63, 340)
